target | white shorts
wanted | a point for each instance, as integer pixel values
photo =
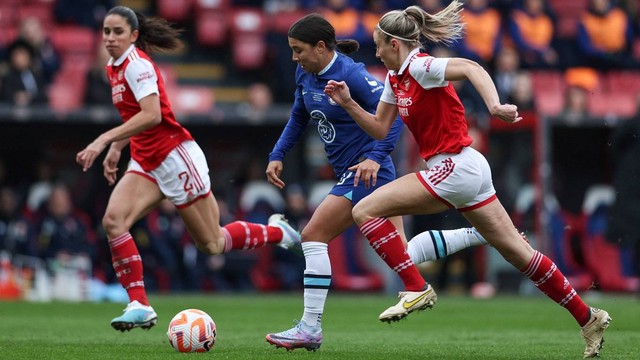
(183, 177)
(461, 181)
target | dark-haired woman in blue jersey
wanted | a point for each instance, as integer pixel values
(361, 165)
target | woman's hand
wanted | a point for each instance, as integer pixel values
(367, 171)
(274, 169)
(110, 165)
(506, 112)
(338, 91)
(87, 156)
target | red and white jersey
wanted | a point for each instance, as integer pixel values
(428, 105)
(134, 76)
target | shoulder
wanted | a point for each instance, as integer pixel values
(425, 63)
(138, 67)
(356, 73)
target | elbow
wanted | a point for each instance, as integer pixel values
(154, 119)
(379, 136)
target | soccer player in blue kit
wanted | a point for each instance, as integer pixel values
(361, 165)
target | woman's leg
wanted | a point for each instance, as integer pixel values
(330, 219)
(495, 225)
(132, 198)
(202, 219)
(405, 195)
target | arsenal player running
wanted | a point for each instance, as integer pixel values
(418, 88)
(165, 163)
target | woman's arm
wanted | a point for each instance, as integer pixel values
(377, 125)
(464, 69)
(148, 117)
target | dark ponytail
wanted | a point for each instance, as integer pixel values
(155, 34)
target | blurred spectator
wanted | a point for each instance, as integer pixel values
(576, 106)
(584, 77)
(345, 19)
(62, 229)
(506, 70)
(46, 59)
(475, 109)
(580, 82)
(88, 13)
(289, 267)
(257, 104)
(482, 35)
(98, 90)
(22, 85)
(16, 230)
(373, 11)
(431, 6)
(532, 31)
(160, 237)
(226, 272)
(369, 17)
(605, 36)
(274, 6)
(40, 190)
(522, 92)
(624, 217)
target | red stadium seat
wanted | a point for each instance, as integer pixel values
(40, 10)
(175, 10)
(281, 21)
(66, 93)
(74, 39)
(212, 27)
(7, 35)
(249, 28)
(549, 88)
(211, 5)
(622, 81)
(187, 100)
(8, 17)
(545, 80)
(549, 103)
(610, 104)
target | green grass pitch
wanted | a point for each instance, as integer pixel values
(457, 328)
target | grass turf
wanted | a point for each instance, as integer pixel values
(457, 328)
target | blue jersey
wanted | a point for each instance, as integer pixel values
(345, 143)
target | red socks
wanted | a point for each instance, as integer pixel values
(128, 267)
(241, 235)
(384, 239)
(547, 277)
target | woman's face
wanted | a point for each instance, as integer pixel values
(385, 51)
(117, 35)
(307, 56)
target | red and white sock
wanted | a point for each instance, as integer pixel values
(384, 239)
(127, 264)
(242, 235)
(549, 279)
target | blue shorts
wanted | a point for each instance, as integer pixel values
(344, 187)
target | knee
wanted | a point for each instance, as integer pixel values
(210, 246)
(113, 224)
(360, 213)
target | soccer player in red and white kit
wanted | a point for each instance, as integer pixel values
(165, 163)
(418, 88)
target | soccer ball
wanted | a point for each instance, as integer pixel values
(192, 330)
